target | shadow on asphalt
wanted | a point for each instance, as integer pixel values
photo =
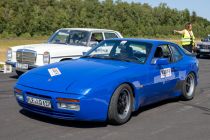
(155, 105)
(83, 124)
(86, 124)
(202, 108)
(207, 110)
(14, 76)
(66, 123)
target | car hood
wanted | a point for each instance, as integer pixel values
(41, 48)
(80, 73)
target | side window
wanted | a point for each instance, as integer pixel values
(176, 55)
(97, 37)
(110, 35)
(166, 51)
(162, 51)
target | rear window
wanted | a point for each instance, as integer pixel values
(186, 51)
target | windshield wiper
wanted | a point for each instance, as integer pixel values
(107, 58)
(114, 58)
(89, 56)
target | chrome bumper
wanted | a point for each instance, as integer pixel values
(29, 68)
(13, 64)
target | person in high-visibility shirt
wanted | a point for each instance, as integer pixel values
(188, 38)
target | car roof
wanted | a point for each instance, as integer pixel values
(89, 29)
(151, 41)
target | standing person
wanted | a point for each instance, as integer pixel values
(188, 38)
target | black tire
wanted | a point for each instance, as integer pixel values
(121, 105)
(188, 87)
(19, 73)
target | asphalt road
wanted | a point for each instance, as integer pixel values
(168, 120)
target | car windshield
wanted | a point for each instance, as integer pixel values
(71, 37)
(129, 51)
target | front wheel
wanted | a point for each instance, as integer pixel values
(188, 87)
(121, 105)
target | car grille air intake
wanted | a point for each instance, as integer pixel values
(26, 56)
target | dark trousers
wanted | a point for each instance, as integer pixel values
(188, 47)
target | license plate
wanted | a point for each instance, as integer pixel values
(204, 50)
(38, 102)
(22, 66)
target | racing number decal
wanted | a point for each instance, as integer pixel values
(54, 72)
(165, 73)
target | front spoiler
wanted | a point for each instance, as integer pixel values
(91, 109)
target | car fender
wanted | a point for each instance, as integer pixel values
(117, 80)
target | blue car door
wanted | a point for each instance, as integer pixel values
(161, 79)
(177, 68)
(172, 71)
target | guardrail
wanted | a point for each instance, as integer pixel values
(5, 68)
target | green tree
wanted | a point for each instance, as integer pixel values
(43, 17)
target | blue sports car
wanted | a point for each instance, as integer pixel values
(111, 81)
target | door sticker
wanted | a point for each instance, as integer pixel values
(165, 73)
(54, 72)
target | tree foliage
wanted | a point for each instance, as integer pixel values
(42, 17)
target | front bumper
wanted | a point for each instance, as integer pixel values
(203, 51)
(13, 64)
(91, 109)
(25, 70)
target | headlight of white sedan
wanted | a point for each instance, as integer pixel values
(9, 54)
(46, 58)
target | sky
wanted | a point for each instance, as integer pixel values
(201, 7)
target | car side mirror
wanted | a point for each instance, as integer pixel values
(93, 43)
(162, 61)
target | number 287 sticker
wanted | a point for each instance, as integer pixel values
(165, 72)
(54, 71)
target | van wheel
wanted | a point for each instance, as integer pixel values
(121, 105)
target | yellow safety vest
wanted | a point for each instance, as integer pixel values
(188, 38)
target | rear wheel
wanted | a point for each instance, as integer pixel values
(19, 73)
(121, 105)
(188, 88)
